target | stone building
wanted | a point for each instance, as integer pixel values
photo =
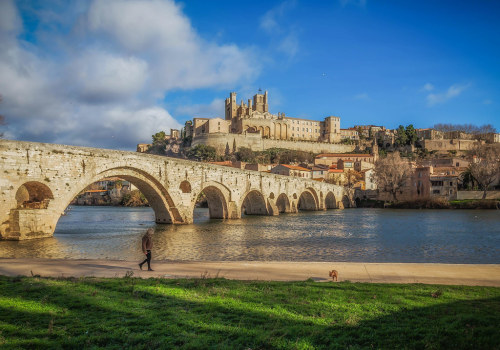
(333, 158)
(369, 130)
(203, 126)
(350, 134)
(291, 170)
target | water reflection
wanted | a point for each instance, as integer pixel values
(368, 235)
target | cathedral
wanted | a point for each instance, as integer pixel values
(254, 118)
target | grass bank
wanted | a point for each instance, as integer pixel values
(120, 313)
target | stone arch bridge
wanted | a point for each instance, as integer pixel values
(38, 181)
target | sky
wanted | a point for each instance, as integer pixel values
(111, 73)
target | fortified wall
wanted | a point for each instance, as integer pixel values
(221, 142)
(449, 145)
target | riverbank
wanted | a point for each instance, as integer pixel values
(432, 204)
(446, 274)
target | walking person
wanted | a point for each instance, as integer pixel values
(147, 245)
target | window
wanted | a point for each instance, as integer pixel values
(451, 183)
(435, 191)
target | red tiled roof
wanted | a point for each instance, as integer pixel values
(295, 167)
(336, 171)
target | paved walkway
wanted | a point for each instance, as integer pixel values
(457, 274)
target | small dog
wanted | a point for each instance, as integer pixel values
(334, 275)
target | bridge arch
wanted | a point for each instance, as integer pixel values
(218, 197)
(254, 203)
(283, 203)
(330, 201)
(33, 195)
(158, 198)
(346, 202)
(307, 201)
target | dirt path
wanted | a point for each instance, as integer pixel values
(459, 274)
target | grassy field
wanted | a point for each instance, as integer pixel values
(120, 313)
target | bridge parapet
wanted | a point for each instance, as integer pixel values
(33, 174)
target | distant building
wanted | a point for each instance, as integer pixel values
(319, 171)
(333, 158)
(292, 170)
(369, 130)
(350, 134)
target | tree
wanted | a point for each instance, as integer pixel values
(466, 128)
(402, 138)
(468, 181)
(245, 154)
(159, 143)
(159, 137)
(359, 129)
(411, 135)
(202, 153)
(391, 173)
(351, 177)
(485, 165)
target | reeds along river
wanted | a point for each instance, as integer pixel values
(357, 235)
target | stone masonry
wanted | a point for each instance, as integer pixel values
(38, 181)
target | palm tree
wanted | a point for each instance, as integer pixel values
(468, 181)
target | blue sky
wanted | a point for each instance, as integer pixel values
(111, 73)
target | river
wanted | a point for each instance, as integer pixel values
(352, 235)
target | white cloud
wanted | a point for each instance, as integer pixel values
(428, 87)
(179, 57)
(269, 22)
(363, 96)
(273, 23)
(101, 76)
(214, 109)
(99, 81)
(453, 91)
(289, 45)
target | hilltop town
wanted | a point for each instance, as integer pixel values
(252, 138)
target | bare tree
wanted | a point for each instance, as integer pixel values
(391, 173)
(485, 165)
(351, 177)
(466, 128)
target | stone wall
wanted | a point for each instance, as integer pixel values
(477, 195)
(448, 145)
(255, 142)
(171, 186)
